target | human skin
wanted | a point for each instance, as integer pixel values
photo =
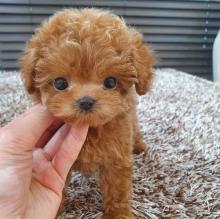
(32, 172)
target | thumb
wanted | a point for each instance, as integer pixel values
(25, 130)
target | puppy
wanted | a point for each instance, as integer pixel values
(82, 64)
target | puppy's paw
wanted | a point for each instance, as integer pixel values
(140, 147)
(120, 216)
(120, 213)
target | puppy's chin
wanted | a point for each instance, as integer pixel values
(91, 123)
(92, 119)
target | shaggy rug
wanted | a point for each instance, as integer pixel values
(179, 177)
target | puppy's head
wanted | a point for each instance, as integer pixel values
(82, 64)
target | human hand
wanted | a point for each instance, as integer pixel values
(33, 175)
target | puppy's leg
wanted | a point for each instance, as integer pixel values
(139, 145)
(116, 185)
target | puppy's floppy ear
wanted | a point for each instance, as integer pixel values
(143, 60)
(28, 62)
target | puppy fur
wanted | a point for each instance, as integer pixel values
(85, 47)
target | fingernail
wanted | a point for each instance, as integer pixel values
(64, 130)
(39, 108)
(36, 108)
(79, 132)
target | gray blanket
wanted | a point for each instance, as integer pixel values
(180, 175)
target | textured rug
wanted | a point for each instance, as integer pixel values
(180, 175)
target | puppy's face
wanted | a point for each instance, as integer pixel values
(82, 65)
(77, 94)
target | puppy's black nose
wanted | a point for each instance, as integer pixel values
(86, 103)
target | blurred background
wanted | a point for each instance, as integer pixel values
(181, 32)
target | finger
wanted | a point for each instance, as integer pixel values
(49, 133)
(55, 142)
(69, 150)
(25, 130)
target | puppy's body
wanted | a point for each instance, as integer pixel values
(111, 143)
(92, 55)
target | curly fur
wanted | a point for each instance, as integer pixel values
(86, 46)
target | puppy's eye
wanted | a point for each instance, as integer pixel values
(110, 82)
(60, 83)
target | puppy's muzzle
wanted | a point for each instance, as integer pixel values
(86, 103)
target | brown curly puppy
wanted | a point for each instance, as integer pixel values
(82, 64)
